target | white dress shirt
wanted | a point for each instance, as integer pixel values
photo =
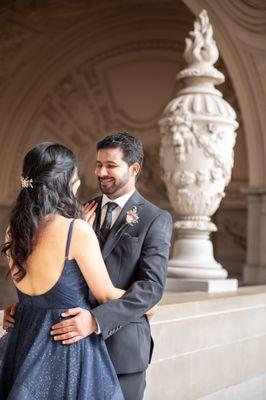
(120, 201)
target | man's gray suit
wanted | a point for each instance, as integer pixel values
(136, 258)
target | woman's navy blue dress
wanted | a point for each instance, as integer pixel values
(35, 367)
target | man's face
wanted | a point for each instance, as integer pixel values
(115, 177)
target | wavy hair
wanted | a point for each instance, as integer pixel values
(51, 167)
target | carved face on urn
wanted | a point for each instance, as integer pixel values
(183, 141)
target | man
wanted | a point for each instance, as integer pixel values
(135, 237)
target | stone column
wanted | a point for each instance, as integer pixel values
(255, 268)
(198, 136)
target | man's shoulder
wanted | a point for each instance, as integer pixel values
(153, 209)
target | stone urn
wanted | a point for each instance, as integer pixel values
(197, 141)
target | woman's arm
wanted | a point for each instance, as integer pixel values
(86, 250)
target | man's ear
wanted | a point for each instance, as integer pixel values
(135, 169)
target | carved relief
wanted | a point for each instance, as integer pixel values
(183, 178)
(182, 135)
(198, 131)
(200, 177)
(198, 203)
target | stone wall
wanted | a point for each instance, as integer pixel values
(209, 347)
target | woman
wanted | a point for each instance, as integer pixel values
(54, 259)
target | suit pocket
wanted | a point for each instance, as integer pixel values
(129, 239)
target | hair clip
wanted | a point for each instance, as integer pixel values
(26, 182)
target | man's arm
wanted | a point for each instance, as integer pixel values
(148, 289)
(139, 298)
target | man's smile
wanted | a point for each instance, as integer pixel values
(106, 181)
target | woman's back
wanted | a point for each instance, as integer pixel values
(34, 365)
(46, 263)
(53, 280)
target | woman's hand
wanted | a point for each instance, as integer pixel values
(89, 210)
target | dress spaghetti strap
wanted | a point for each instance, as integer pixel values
(69, 235)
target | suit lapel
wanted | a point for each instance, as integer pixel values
(113, 237)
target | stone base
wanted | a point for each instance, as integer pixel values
(210, 285)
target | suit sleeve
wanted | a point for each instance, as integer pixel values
(147, 290)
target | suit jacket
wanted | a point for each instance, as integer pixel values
(136, 258)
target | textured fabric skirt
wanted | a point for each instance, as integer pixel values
(35, 367)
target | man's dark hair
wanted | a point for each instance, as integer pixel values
(131, 146)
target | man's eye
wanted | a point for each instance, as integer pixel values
(111, 166)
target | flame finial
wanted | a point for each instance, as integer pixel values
(201, 47)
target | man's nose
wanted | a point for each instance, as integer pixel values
(101, 172)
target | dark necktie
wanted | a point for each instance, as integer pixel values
(106, 226)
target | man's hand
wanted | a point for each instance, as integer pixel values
(81, 325)
(150, 313)
(9, 313)
(90, 211)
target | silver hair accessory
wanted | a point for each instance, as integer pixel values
(26, 182)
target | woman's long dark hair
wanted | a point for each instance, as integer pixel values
(51, 167)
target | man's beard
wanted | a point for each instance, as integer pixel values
(112, 188)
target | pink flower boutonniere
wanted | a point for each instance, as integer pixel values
(132, 218)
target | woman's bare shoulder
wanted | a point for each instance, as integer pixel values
(82, 228)
(83, 238)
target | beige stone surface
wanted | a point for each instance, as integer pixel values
(252, 389)
(207, 343)
(194, 375)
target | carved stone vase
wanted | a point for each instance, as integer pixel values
(197, 140)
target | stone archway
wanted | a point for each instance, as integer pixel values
(63, 83)
(66, 87)
(64, 80)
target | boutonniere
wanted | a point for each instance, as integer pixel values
(132, 218)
